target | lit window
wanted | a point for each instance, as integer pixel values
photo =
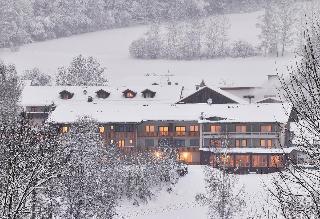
(149, 128)
(129, 95)
(180, 130)
(131, 141)
(241, 128)
(266, 128)
(112, 127)
(164, 130)
(121, 143)
(101, 129)
(215, 128)
(64, 129)
(275, 161)
(241, 143)
(266, 143)
(194, 128)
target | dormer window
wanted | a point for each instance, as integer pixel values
(102, 94)
(148, 93)
(129, 93)
(66, 95)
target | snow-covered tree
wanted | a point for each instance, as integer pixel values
(30, 157)
(269, 35)
(36, 77)
(277, 26)
(89, 180)
(297, 190)
(223, 197)
(242, 49)
(83, 71)
(10, 90)
(216, 36)
(14, 20)
(286, 14)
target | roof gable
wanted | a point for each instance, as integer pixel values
(148, 93)
(205, 94)
(102, 94)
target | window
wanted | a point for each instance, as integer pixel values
(241, 143)
(259, 160)
(121, 143)
(241, 128)
(215, 128)
(164, 130)
(275, 161)
(101, 129)
(179, 142)
(215, 143)
(149, 128)
(65, 129)
(226, 160)
(242, 160)
(33, 109)
(180, 130)
(194, 142)
(266, 128)
(149, 142)
(194, 128)
(131, 141)
(266, 143)
(130, 95)
(124, 128)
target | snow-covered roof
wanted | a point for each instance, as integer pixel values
(105, 112)
(249, 150)
(46, 95)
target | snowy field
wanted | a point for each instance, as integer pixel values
(181, 204)
(111, 49)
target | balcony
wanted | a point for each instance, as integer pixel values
(241, 135)
(169, 134)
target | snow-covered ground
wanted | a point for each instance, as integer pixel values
(180, 203)
(111, 49)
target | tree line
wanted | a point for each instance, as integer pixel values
(202, 38)
(25, 21)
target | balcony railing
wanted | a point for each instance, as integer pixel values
(169, 134)
(242, 134)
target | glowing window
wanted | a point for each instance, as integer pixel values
(121, 143)
(64, 129)
(101, 129)
(266, 128)
(180, 130)
(266, 143)
(164, 130)
(194, 128)
(241, 128)
(215, 128)
(241, 143)
(150, 128)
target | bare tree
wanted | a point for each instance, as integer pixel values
(297, 190)
(222, 197)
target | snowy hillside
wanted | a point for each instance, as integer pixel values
(111, 48)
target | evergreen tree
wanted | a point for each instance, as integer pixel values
(82, 72)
